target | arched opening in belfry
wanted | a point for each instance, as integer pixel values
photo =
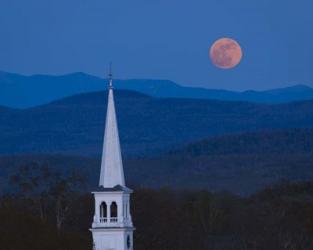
(113, 210)
(103, 211)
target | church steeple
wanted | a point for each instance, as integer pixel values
(112, 173)
(112, 226)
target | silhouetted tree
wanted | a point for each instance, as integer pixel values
(46, 188)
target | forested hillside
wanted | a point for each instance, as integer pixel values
(148, 126)
(285, 141)
(242, 163)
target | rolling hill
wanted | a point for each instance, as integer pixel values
(243, 163)
(285, 141)
(20, 91)
(148, 125)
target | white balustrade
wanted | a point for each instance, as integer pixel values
(103, 220)
(113, 219)
(112, 222)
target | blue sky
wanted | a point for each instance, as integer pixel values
(160, 39)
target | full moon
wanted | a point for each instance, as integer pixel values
(225, 53)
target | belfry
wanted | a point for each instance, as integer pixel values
(112, 227)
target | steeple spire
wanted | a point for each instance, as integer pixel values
(112, 173)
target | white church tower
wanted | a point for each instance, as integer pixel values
(112, 227)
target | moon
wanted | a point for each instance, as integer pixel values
(225, 53)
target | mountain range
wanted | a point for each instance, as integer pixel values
(148, 125)
(18, 91)
(172, 141)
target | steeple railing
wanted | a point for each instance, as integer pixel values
(103, 220)
(112, 222)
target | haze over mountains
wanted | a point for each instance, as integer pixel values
(20, 91)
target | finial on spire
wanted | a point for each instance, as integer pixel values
(110, 76)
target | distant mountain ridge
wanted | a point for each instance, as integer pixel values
(20, 91)
(148, 125)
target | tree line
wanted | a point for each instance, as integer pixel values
(48, 210)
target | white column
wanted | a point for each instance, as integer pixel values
(109, 211)
(97, 212)
(120, 211)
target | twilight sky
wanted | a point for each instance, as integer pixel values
(160, 39)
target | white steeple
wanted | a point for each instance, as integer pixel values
(112, 226)
(112, 173)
